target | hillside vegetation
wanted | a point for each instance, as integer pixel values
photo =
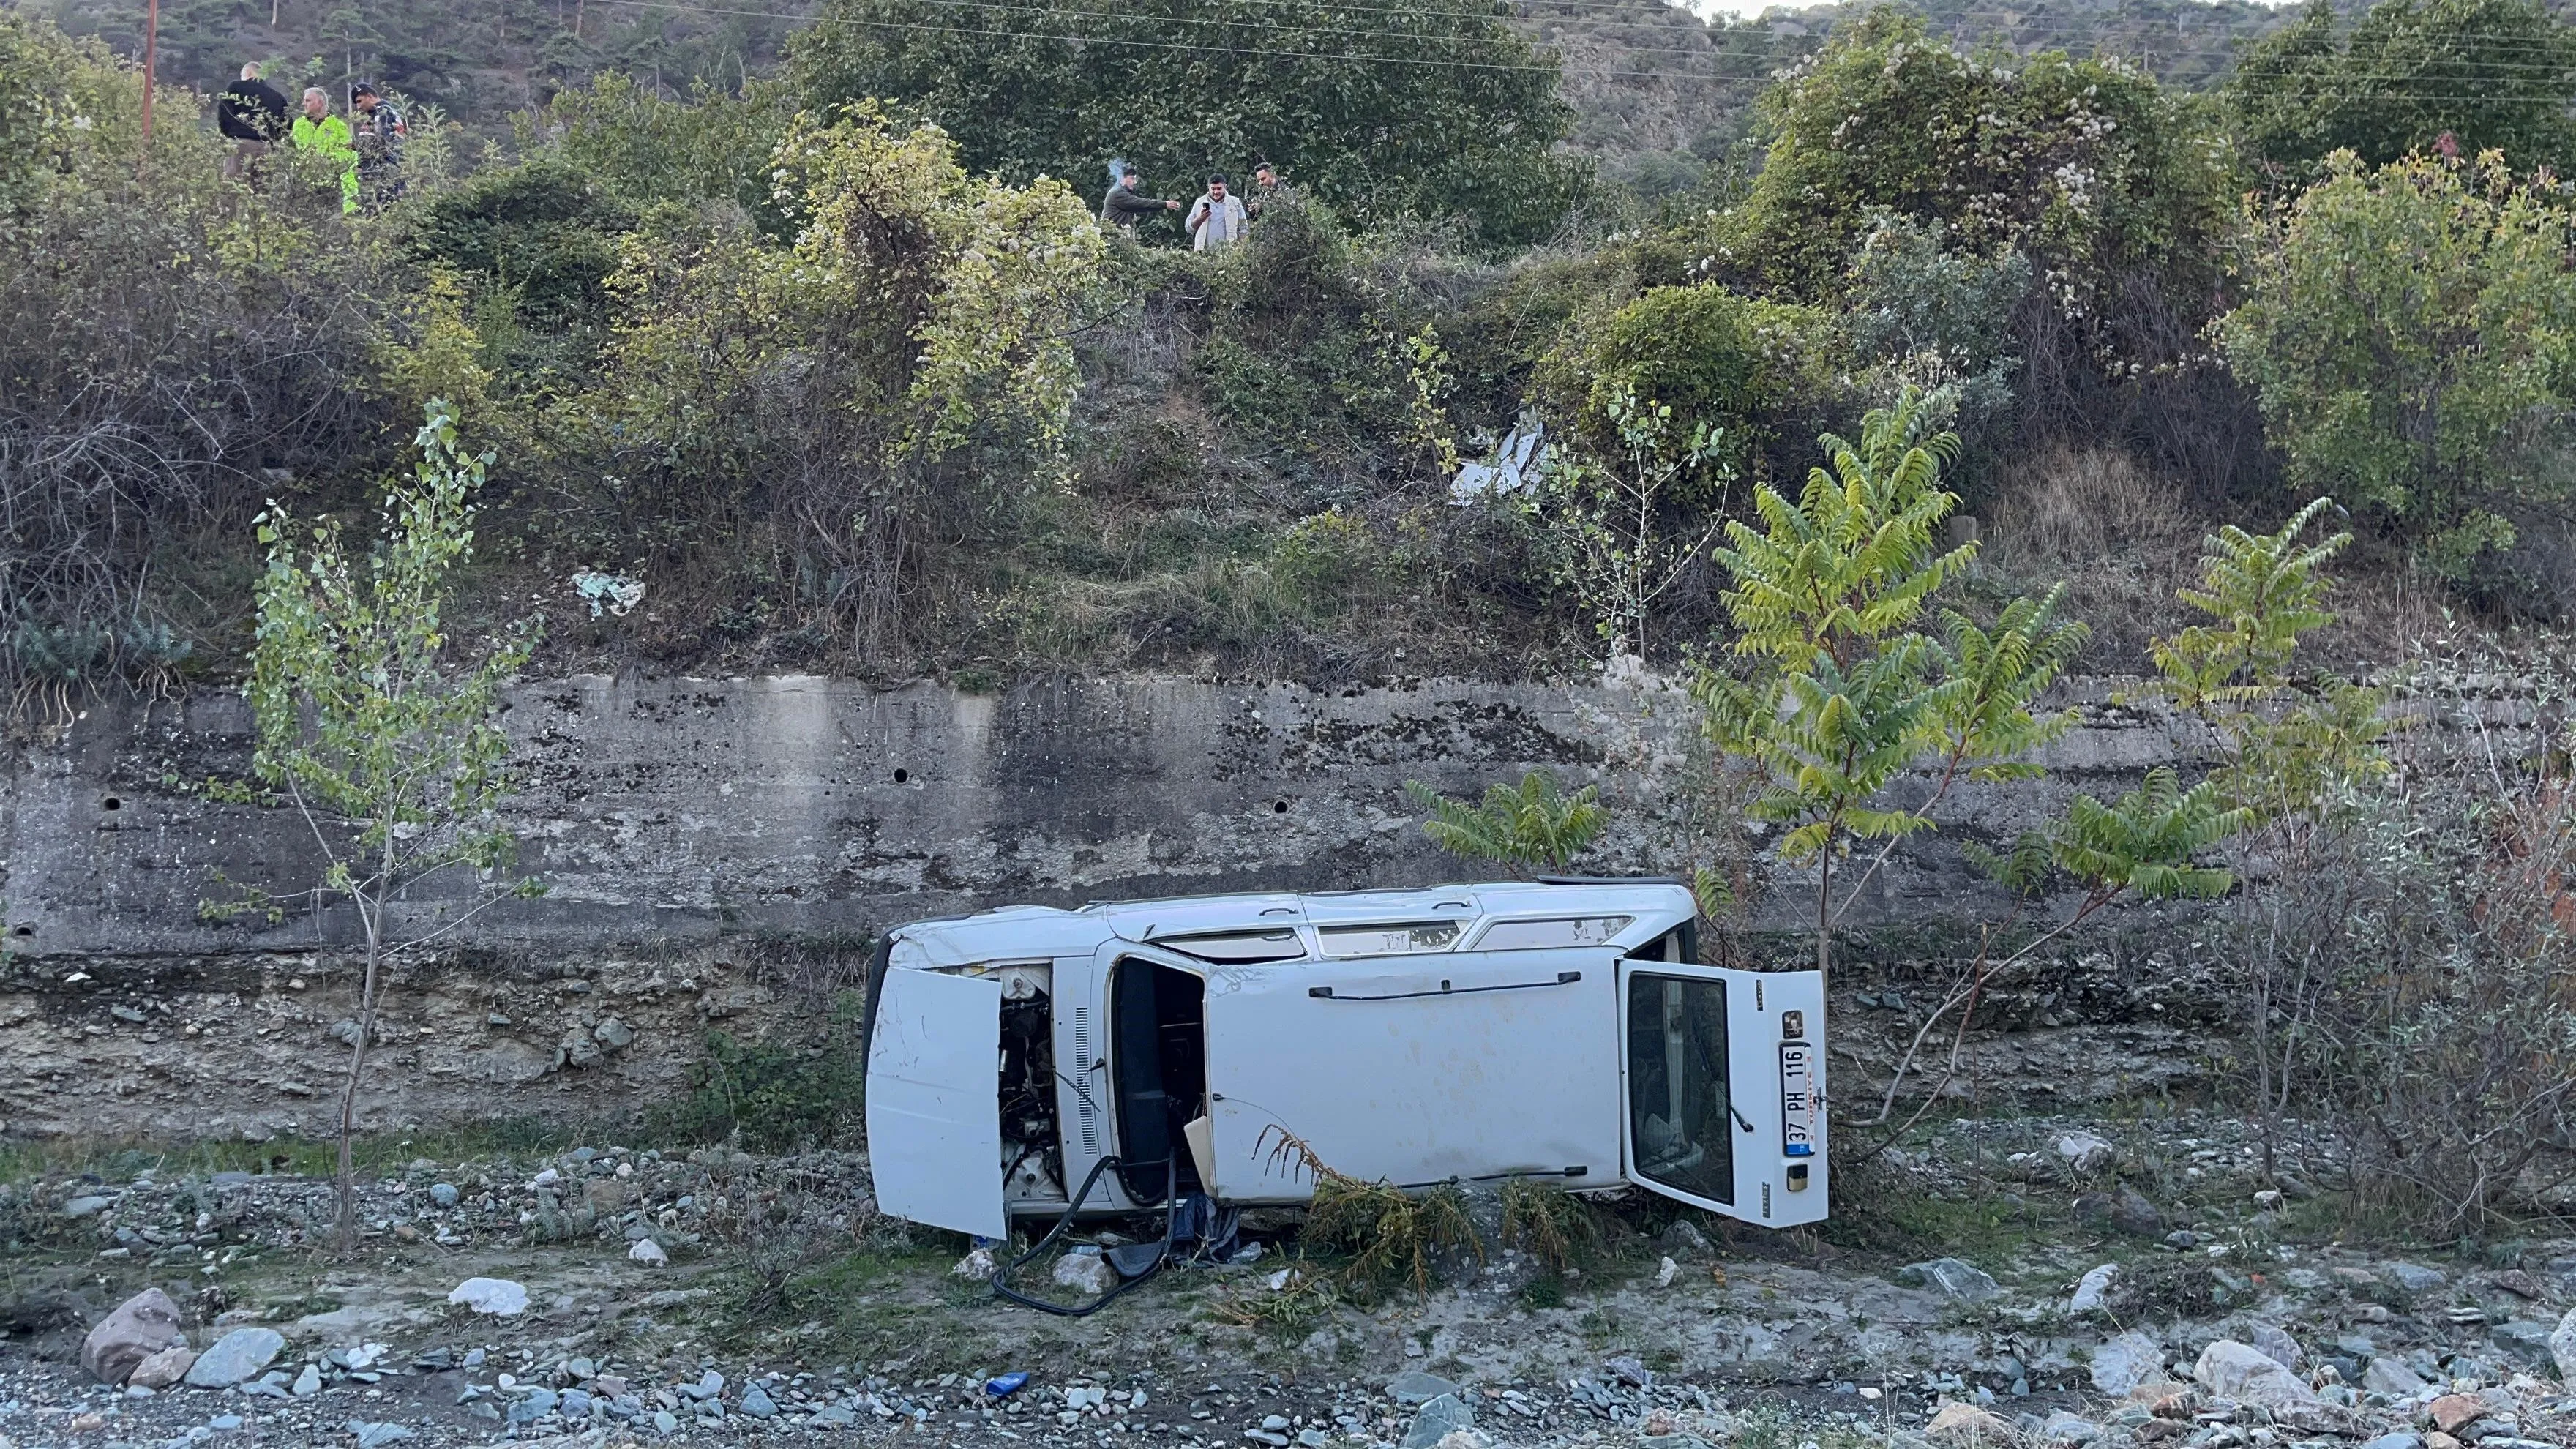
(832, 364)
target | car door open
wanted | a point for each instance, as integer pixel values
(934, 1101)
(1722, 1087)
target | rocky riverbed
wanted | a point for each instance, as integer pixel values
(2022, 1282)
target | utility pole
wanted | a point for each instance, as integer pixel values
(151, 39)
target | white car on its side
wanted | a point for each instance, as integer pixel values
(1556, 1029)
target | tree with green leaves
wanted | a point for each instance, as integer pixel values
(1843, 690)
(2287, 751)
(1620, 522)
(381, 731)
(2083, 165)
(2408, 76)
(1529, 829)
(2411, 332)
(1438, 109)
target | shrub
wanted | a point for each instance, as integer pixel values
(778, 1094)
(2412, 334)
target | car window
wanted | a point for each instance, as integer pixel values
(1550, 935)
(1678, 1117)
(1395, 938)
(1278, 943)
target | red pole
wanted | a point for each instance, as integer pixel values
(151, 38)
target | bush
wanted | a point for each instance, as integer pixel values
(1710, 355)
(2412, 334)
(778, 1095)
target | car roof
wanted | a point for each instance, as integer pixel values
(1654, 904)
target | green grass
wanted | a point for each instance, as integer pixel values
(121, 1159)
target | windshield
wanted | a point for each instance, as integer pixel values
(1678, 1114)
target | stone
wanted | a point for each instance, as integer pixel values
(141, 1326)
(534, 1407)
(1671, 1441)
(2062, 1427)
(575, 1404)
(2415, 1277)
(1953, 1277)
(648, 1252)
(88, 1205)
(1085, 1272)
(757, 1403)
(1274, 1422)
(307, 1383)
(2233, 1370)
(665, 1422)
(1665, 1272)
(2277, 1345)
(2126, 1362)
(1629, 1371)
(236, 1356)
(613, 1034)
(2084, 1151)
(1683, 1240)
(1270, 1437)
(1965, 1426)
(444, 1194)
(2453, 1412)
(2391, 1377)
(497, 1296)
(2519, 1283)
(976, 1266)
(1312, 1439)
(2525, 1342)
(2124, 1208)
(373, 1436)
(2398, 1440)
(1464, 1439)
(2093, 1288)
(163, 1369)
(1437, 1419)
(2562, 1346)
(1413, 1390)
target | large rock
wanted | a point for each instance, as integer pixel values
(1414, 1389)
(141, 1326)
(2392, 1377)
(1437, 1420)
(498, 1296)
(2415, 1277)
(2126, 1362)
(236, 1356)
(2242, 1372)
(2126, 1209)
(2093, 1289)
(1953, 1277)
(1085, 1272)
(2533, 1345)
(165, 1368)
(1965, 1426)
(2277, 1345)
(2562, 1346)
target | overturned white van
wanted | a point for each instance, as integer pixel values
(1554, 1029)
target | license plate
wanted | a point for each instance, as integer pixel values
(1797, 1099)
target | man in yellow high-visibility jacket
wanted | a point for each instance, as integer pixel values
(319, 130)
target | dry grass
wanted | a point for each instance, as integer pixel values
(1394, 1237)
(2117, 536)
(1550, 1224)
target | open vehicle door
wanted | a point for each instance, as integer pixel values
(934, 1101)
(1723, 1079)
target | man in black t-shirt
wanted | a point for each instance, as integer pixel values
(252, 115)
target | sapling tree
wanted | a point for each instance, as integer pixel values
(378, 729)
(1618, 519)
(1534, 827)
(1841, 688)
